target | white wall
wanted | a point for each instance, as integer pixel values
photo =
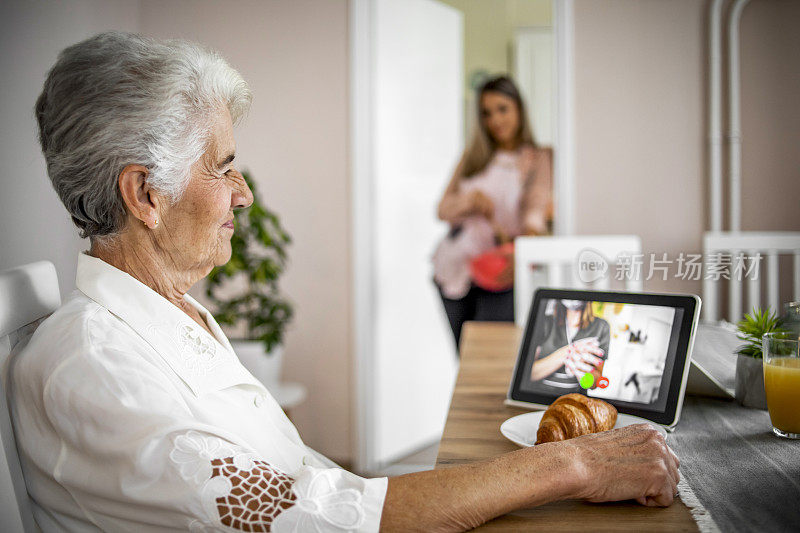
(534, 71)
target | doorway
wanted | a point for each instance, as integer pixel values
(410, 95)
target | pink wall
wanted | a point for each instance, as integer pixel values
(639, 124)
(641, 132)
(295, 143)
(35, 224)
(770, 55)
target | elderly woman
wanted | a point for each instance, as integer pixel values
(131, 409)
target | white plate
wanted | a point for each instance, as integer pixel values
(521, 429)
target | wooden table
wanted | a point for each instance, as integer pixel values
(472, 432)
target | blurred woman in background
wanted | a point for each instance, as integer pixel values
(500, 189)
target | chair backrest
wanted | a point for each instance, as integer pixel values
(551, 262)
(28, 294)
(733, 255)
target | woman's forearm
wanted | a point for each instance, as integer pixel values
(545, 366)
(454, 208)
(463, 497)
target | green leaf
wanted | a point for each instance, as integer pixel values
(245, 289)
(753, 327)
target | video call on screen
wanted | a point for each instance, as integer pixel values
(609, 350)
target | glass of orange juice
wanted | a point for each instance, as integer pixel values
(782, 382)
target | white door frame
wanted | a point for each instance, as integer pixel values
(362, 49)
(564, 134)
(362, 109)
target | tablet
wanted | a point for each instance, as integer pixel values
(632, 350)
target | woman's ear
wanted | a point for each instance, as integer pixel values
(137, 194)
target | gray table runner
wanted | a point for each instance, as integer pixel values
(747, 478)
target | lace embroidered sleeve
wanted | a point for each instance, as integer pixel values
(240, 492)
(251, 498)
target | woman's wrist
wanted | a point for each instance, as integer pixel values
(542, 474)
(556, 473)
(465, 205)
(548, 364)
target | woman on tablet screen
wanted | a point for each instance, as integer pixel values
(574, 342)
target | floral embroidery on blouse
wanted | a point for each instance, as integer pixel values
(240, 492)
(199, 350)
(321, 506)
(194, 452)
(198, 354)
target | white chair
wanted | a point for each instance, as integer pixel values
(728, 251)
(28, 294)
(550, 262)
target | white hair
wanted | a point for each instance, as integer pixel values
(118, 99)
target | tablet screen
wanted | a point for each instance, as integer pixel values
(621, 352)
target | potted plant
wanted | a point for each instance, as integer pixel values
(749, 371)
(245, 292)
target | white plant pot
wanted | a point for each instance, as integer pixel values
(266, 367)
(750, 382)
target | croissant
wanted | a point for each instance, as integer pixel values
(573, 415)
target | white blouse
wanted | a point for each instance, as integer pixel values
(129, 416)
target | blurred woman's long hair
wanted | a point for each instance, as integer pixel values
(482, 145)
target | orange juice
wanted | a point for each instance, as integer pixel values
(782, 385)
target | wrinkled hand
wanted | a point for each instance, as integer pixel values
(480, 204)
(633, 462)
(583, 355)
